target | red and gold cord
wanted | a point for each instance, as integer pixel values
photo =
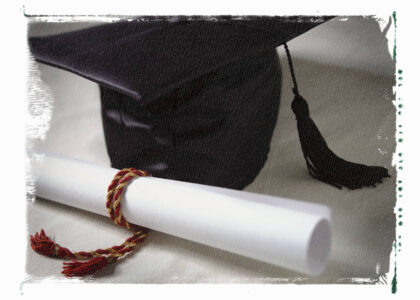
(97, 259)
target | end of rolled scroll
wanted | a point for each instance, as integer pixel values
(319, 247)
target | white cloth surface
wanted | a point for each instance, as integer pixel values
(354, 111)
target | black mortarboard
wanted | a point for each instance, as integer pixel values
(196, 99)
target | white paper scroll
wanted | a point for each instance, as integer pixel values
(291, 234)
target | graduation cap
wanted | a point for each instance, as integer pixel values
(196, 99)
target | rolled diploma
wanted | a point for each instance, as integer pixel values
(287, 233)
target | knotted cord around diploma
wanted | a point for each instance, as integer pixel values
(97, 259)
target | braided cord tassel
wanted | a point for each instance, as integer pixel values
(99, 258)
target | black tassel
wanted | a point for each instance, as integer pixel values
(322, 163)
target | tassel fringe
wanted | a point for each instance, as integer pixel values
(43, 244)
(78, 268)
(323, 164)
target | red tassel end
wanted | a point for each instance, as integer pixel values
(43, 245)
(78, 268)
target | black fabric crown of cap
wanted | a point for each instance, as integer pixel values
(196, 99)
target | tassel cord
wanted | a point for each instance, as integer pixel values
(292, 71)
